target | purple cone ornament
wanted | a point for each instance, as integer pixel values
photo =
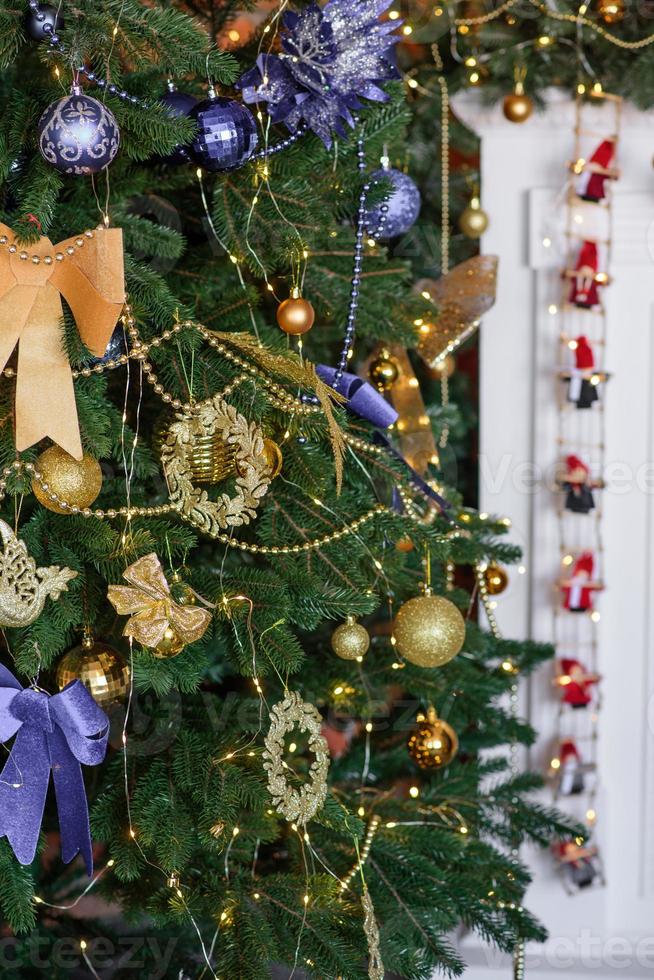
(78, 134)
(226, 136)
(331, 58)
(52, 734)
(403, 206)
(178, 104)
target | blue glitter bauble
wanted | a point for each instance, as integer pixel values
(115, 348)
(78, 135)
(178, 104)
(226, 136)
(403, 206)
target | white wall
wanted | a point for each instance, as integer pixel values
(610, 930)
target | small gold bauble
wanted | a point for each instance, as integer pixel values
(170, 646)
(383, 371)
(434, 743)
(517, 107)
(404, 544)
(350, 640)
(77, 482)
(429, 630)
(473, 222)
(295, 315)
(496, 578)
(444, 368)
(99, 667)
(182, 592)
(273, 456)
(611, 11)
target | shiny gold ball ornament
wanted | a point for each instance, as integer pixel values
(383, 371)
(295, 315)
(429, 630)
(445, 367)
(611, 11)
(496, 578)
(182, 592)
(76, 482)
(473, 221)
(101, 669)
(434, 743)
(273, 457)
(517, 106)
(350, 640)
(169, 646)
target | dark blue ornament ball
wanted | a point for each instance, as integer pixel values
(117, 345)
(78, 135)
(42, 22)
(226, 136)
(178, 104)
(401, 210)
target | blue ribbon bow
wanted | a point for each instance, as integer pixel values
(362, 399)
(52, 733)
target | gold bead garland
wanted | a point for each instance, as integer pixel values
(373, 827)
(24, 256)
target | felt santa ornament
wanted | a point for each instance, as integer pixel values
(576, 683)
(584, 291)
(579, 863)
(581, 389)
(571, 770)
(576, 482)
(591, 182)
(578, 590)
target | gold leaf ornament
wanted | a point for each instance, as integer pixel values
(297, 805)
(24, 587)
(252, 477)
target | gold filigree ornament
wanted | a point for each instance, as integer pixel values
(375, 965)
(297, 805)
(24, 587)
(252, 476)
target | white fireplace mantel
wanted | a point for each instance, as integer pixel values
(523, 169)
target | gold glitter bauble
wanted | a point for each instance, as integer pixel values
(611, 11)
(295, 315)
(496, 578)
(473, 222)
(429, 630)
(383, 371)
(434, 743)
(170, 646)
(99, 667)
(77, 482)
(517, 107)
(350, 640)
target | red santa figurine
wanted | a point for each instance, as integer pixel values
(584, 292)
(578, 589)
(597, 170)
(581, 390)
(576, 482)
(580, 864)
(576, 683)
(571, 770)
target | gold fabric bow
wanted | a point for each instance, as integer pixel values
(92, 281)
(152, 608)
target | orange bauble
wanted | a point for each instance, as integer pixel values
(295, 315)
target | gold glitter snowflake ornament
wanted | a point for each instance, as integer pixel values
(297, 805)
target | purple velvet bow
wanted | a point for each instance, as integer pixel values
(362, 398)
(57, 733)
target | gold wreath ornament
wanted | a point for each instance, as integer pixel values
(24, 587)
(153, 611)
(252, 477)
(297, 805)
(87, 270)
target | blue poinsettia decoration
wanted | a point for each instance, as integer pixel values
(332, 57)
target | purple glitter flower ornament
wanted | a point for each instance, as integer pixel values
(332, 57)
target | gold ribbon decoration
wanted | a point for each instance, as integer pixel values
(462, 297)
(152, 608)
(90, 277)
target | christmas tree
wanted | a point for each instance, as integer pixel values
(265, 573)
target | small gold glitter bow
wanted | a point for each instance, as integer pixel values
(152, 607)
